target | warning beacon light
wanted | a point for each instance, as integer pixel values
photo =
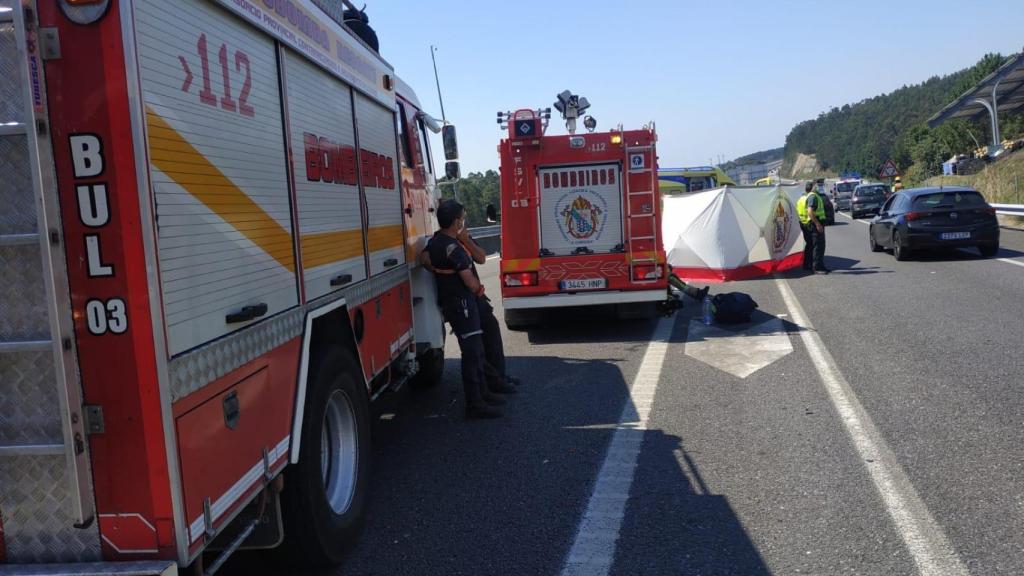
(571, 106)
(525, 123)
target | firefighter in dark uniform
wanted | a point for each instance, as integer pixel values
(450, 254)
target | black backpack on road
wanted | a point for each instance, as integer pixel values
(733, 307)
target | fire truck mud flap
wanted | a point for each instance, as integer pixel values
(147, 568)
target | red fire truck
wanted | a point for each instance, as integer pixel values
(210, 216)
(580, 217)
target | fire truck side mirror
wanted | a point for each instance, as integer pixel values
(451, 145)
(451, 170)
(492, 214)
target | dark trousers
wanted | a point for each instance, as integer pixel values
(463, 314)
(814, 247)
(494, 348)
(808, 245)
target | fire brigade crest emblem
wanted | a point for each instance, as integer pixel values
(780, 224)
(581, 218)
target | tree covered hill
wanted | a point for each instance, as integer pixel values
(863, 135)
(762, 157)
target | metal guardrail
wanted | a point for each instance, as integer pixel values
(491, 231)
(1006, 209)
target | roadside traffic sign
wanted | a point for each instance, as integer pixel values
(888, 170)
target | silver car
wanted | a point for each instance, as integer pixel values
(842, 194)
(867, 199)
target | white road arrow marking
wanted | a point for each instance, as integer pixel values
(738, 353)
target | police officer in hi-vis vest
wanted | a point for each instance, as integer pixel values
(450, 254)
(811, 211)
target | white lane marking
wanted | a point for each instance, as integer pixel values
(1014, 262)
(1007, 260)
(493, 256)
(921, 534)
(865, 222)
(593, 550)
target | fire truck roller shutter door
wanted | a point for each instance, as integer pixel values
(326, 184)
(378, 171)
(218, 168)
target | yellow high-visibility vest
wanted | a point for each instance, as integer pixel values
(801, 208)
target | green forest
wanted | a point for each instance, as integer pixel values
(476, 191)
(864, 135)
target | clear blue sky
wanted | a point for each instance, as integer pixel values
(720, 78)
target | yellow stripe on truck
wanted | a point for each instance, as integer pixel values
(176, 157)
(330, 247)
(384, 237)
(646, 255)
(172, 153)
(522, 265)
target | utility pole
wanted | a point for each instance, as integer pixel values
(440, 100)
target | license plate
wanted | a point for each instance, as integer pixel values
(585, 284)
(956, 235)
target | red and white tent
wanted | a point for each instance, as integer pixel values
(733, 232)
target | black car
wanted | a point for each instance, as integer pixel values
(867, 199)
(935, 218)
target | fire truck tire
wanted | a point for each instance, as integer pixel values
(522, 319)
(325, 492)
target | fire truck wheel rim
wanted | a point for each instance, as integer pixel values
(339, 449)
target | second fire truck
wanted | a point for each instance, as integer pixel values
(580, 217)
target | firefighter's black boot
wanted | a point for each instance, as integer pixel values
(696, 294)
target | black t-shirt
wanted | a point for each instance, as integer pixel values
(448, 257)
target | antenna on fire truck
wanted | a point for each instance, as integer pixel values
(437, 80)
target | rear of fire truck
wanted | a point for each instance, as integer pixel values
(580, 217)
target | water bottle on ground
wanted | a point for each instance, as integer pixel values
(706, 311)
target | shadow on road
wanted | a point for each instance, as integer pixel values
(676, 525)
(592, 324)
(506, 496)
(838, 265)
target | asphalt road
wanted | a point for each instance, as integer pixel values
(868, 422)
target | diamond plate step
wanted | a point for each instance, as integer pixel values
(150, 568)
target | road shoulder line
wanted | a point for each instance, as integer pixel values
(923, 537)
(1011, 261)
(593, 550)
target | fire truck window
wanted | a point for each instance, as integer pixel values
(403, 135)
(428, 162)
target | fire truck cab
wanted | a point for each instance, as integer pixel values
(211, 211)
(580, 218)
